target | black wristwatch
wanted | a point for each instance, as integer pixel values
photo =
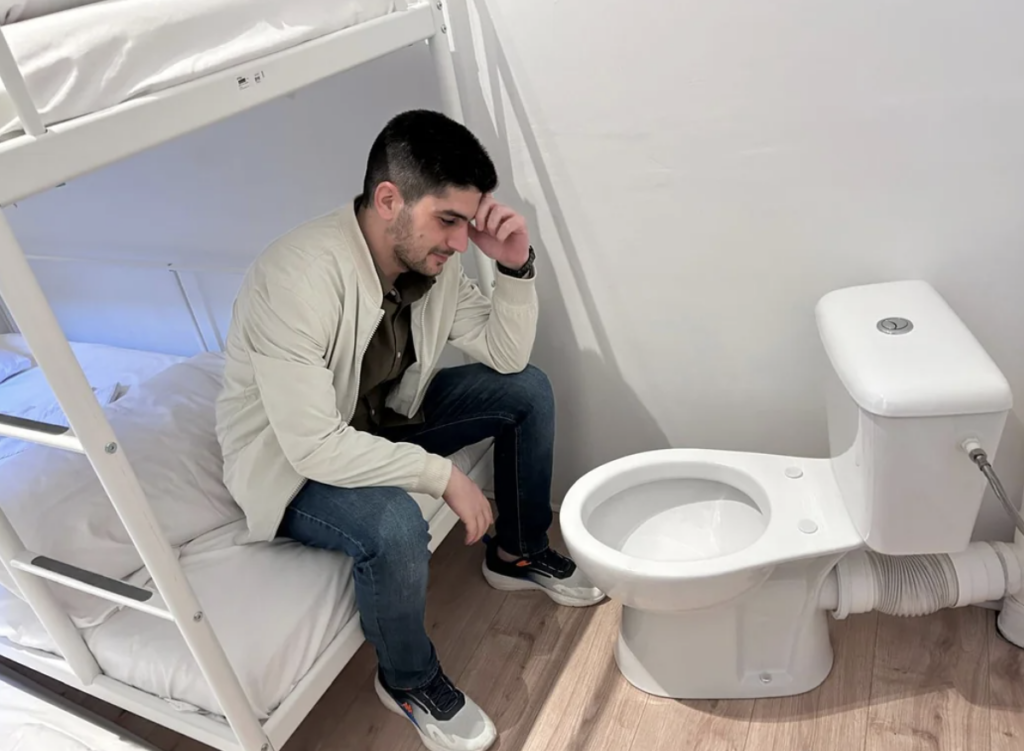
(523, 272)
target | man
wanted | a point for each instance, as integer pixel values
(333, 412)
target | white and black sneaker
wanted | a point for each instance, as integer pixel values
(552, 573)
(445, 718)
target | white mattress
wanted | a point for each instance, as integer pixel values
(33, 720)
(89, 58)
(276, 606)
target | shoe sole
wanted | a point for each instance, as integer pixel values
(392, 706)
(511, 584)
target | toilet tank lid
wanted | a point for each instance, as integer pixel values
(901, 351)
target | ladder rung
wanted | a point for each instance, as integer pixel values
(45, 433)
(115, 591)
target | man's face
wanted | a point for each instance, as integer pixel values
(427, 233)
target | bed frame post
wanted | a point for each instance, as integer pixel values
(17, 90)
(444, 66)
(37, 594)
(28, 305)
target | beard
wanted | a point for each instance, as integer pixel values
(412, 258)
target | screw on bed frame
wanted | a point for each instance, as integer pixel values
(110, 448)
(444, 28)
(198, 617)
(265, 747)
(440, 5)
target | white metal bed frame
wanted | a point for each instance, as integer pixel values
(43, 158)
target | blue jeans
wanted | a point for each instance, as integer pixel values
(383, 530)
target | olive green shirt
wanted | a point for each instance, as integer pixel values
(389, 353)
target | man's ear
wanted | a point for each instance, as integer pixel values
(387, 200)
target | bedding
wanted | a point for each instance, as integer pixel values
(11, 364)
(93, 57)
(22, 10)
(166, 428)
(104, 366)
(275, 605)
(50, 412)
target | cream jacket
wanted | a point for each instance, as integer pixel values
(302, 320)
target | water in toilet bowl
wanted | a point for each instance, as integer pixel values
(681, 519)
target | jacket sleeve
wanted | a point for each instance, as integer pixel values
(287, 342)
(500, 331)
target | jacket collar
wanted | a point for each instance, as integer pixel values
(366, 269)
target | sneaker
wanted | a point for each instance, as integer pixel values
(445, 718)
(553, 573)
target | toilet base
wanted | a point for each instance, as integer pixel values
(770, 642)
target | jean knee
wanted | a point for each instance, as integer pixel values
(532, 388)
(401, 532)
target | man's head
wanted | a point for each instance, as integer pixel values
(425, 178)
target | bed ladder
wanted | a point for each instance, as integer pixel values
(91, 434)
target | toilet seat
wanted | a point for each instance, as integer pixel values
(797, 497)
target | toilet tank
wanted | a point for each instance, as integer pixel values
(908, 384)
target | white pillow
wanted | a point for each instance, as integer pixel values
(12, 363)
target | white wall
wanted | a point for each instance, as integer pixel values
(697, 174)
(703, 171)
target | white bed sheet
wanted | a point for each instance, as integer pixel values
(276, 606)
(104, 367)
(89, 58)
(33, 720)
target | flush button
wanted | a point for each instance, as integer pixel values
(895, 326)
(794, 473)
(807, 526)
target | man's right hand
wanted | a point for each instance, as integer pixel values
(471, 505)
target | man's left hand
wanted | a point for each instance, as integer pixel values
(500, 233)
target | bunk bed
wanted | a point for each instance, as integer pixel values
(126, 582)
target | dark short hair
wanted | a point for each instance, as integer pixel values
(424, 152)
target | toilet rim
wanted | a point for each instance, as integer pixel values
(737, 469)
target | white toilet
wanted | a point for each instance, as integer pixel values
(720, 558)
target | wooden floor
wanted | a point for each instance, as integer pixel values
(547, 677)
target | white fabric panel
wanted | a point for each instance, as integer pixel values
(93, 57)
(30, 720)
(166, 428)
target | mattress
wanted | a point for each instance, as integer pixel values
(92, 57)
(276, 606)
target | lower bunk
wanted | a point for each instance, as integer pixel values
(284, 613)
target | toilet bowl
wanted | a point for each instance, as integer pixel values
(720, 558)
(717, 558)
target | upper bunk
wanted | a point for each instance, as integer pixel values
(87, 86)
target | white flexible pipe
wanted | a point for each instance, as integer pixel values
(915, 585)
(1010, 622)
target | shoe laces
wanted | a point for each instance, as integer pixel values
(442, 693)
(552, 562)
